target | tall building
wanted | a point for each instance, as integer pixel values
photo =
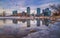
(15, 12)
(43, 12)
(47, 12)
(28, 10)
(38, 11)
(4, 13)
(14, 20)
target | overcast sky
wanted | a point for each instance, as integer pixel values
(20, 5)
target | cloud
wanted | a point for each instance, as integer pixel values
(21, 5)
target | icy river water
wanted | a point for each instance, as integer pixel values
(29, 29)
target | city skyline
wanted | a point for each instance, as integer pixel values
(28, 11)
(21, 5)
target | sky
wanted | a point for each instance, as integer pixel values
(21, 5)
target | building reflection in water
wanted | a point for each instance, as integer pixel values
(28, 23)
(44, 22)
(4, 20)
(38, 22)
(15, 21)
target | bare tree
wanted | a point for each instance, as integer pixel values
(57, 8)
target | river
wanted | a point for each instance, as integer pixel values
(28, 28)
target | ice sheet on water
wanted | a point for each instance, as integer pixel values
(52, 32)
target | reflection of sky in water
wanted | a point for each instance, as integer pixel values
(9, 22)
(42, 31)
(33, 23)
(53, 31)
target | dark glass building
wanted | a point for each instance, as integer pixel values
(14, 20)
(38, 11)
(15, 12)
(47, 12)
(28, 10)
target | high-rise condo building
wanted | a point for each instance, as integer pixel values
(38, 11)
(28, 10)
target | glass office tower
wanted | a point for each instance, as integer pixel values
(28, 10)
(38, 11)
(14, 20)
(47, 12)
(15, 12)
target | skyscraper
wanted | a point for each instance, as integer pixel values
(28, 10)
(14, 12)
(47, 12)
(14, 20)
(38, 11)
(4, 13)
